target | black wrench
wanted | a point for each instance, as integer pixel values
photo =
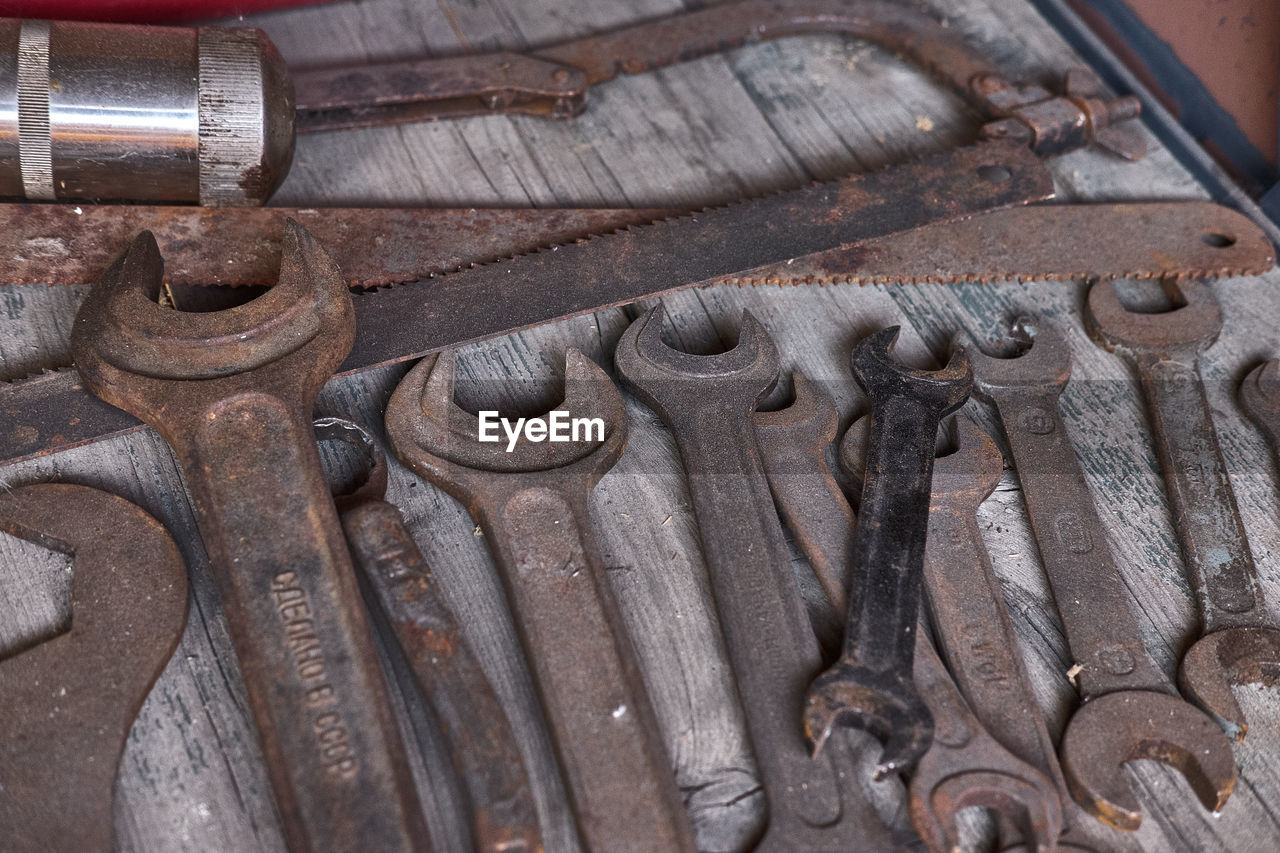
(871, 686)
(965, 766)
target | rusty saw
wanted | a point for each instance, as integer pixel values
(870, 227)
(235, 248)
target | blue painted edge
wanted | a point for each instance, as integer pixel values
(1201, 115)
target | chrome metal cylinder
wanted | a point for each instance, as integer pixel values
(130, 113)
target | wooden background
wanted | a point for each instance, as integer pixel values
(755, 120)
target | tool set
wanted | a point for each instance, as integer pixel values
(274, 302)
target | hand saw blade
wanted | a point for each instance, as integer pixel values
(62, 244)
(52, 412)
(240, 246)
(1045, 242)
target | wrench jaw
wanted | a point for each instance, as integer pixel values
(664, 378)
(883, 378)
(1260, 398)
(439, 439)
(966, 767)
(129, 348)
(1022, 804)
(1128, 725)
(1225, 658)
(69, 702)
(811, 421)
(884, 703)
(373, 483)
(972, 472)
(1042, 362)
(1186, 331)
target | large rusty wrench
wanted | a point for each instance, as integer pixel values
(232, 392)
(965, 766)
(871, 685)
(1239, 639)
(1129, 709)
(66, 705)
(472, 720)
(531, 503)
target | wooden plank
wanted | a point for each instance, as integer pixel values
(759, 119)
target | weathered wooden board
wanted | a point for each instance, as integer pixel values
(756, 120)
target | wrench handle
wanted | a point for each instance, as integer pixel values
(770, 642)
(817, 513)
(976, 637)
(604, 729)
(1214, 548)
(334, 752)
(481, 742)
(889, 542)
(1089, 591)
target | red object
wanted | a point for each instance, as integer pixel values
(141, 11)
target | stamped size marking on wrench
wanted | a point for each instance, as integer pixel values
(871, 685)
(67, 704)
(1129, 710)
(532, 505)
(707, 401)
(480, 740)
(965, 766)
(1240, 639)
(232, 392)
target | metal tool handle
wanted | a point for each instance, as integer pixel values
(603, 726)
(885, 605)
(433, 89)
(333, 751)
(481, 742)
(810, 501)
(963, 592)
(954, 723)
(774, 653)
(1087, 587)
(1214, 547)
(552, 81)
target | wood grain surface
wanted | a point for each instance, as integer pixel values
(758, 119)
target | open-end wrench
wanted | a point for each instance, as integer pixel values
(67, 704)
(707, 401)
(969, 614)
(232, 392)
(1239, 639)
(478, 734)
(871, 686)
(793, 446)
(1129, 709)
(531, 502)
(965, 766)
(1260, 399)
